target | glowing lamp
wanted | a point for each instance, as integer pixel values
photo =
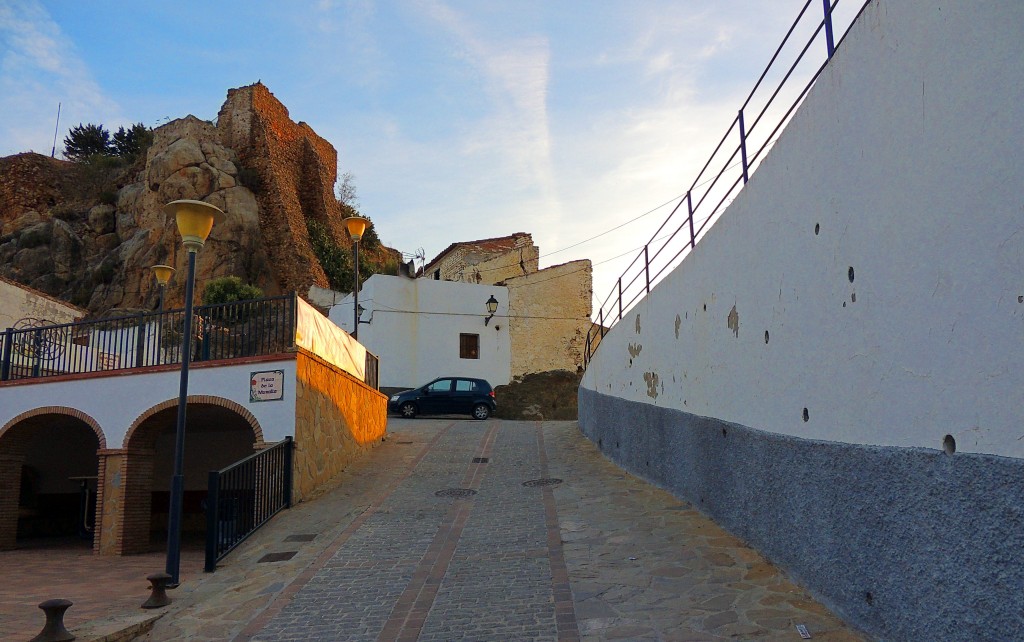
(195, 219)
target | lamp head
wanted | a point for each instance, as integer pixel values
(492, 305)
(356, 225)
(163, 274)
(195, 219)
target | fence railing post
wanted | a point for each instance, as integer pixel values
(600, 320)
(212, 520)
(743, 144)
(647, 270)
(5, 364)
(620, 298)
(289, 447)
(689, 210)
(37, 345)
(829, 42)
(140, 342)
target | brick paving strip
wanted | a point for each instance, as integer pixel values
(289, 592)
(410, 612)
(565, 612)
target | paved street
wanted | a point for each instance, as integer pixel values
(434, 536)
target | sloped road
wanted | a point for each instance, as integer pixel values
(497, 530)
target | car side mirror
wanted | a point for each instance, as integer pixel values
(426, 391)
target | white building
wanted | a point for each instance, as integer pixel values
(422, 329)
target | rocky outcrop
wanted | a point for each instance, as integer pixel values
(87, 233)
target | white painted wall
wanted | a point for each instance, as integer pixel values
(115, 401)
(415, 326)
(907, 153)
(17, 302)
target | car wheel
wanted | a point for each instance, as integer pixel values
(408, 410)
(481, 411)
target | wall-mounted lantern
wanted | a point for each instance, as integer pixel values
(492, 307)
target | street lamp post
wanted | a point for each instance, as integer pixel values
(195, 219)
(356, 226)
(163, 275)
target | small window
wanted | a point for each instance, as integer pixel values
(444, 385)
(464, 385)
(469, 346)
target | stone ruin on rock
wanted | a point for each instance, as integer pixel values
(89, 237)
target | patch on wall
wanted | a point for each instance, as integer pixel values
(678, 323)
(634, 349)
(651, 378)
(734, 321)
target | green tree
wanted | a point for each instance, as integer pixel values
(129, 143)
(335, 260)
(86, 141)
(229, 289)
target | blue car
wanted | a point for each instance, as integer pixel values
(446, 396)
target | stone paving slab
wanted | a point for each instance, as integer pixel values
(106, 591)
(600, 556)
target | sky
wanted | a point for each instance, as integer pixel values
(458, 120)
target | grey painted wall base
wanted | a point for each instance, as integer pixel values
(903, 543)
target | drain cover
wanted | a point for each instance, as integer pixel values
(481, 460)
(277, 557)
(456, 492)
(303, 537)
(537, 483)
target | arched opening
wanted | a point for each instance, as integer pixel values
(48, 471)
(216, 435)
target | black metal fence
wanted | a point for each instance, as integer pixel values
(727, 170)
(223, 331)
(244, 496)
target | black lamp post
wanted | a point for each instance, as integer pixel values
(195, 219)
(163, 274)
(356, 225)
(492, 307)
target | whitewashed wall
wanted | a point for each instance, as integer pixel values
(905, 166)
(116, 401)
(17, 302)
(415, 326)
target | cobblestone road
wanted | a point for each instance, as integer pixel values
(600, 555)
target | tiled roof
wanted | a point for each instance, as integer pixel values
(487, 246)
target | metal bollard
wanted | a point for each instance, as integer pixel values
(158, 597)
(54, 630)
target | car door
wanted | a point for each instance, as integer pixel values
(465, 393)
(437, 397)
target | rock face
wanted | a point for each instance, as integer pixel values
(88, 233)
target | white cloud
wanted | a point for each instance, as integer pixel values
(513, 139)
(38, 69)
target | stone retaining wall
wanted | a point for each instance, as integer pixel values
(337, 420)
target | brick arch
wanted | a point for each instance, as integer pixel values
(58, 410)
(240, 410)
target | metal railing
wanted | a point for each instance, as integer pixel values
(712, 190)
(244, 496)
(222, 331)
